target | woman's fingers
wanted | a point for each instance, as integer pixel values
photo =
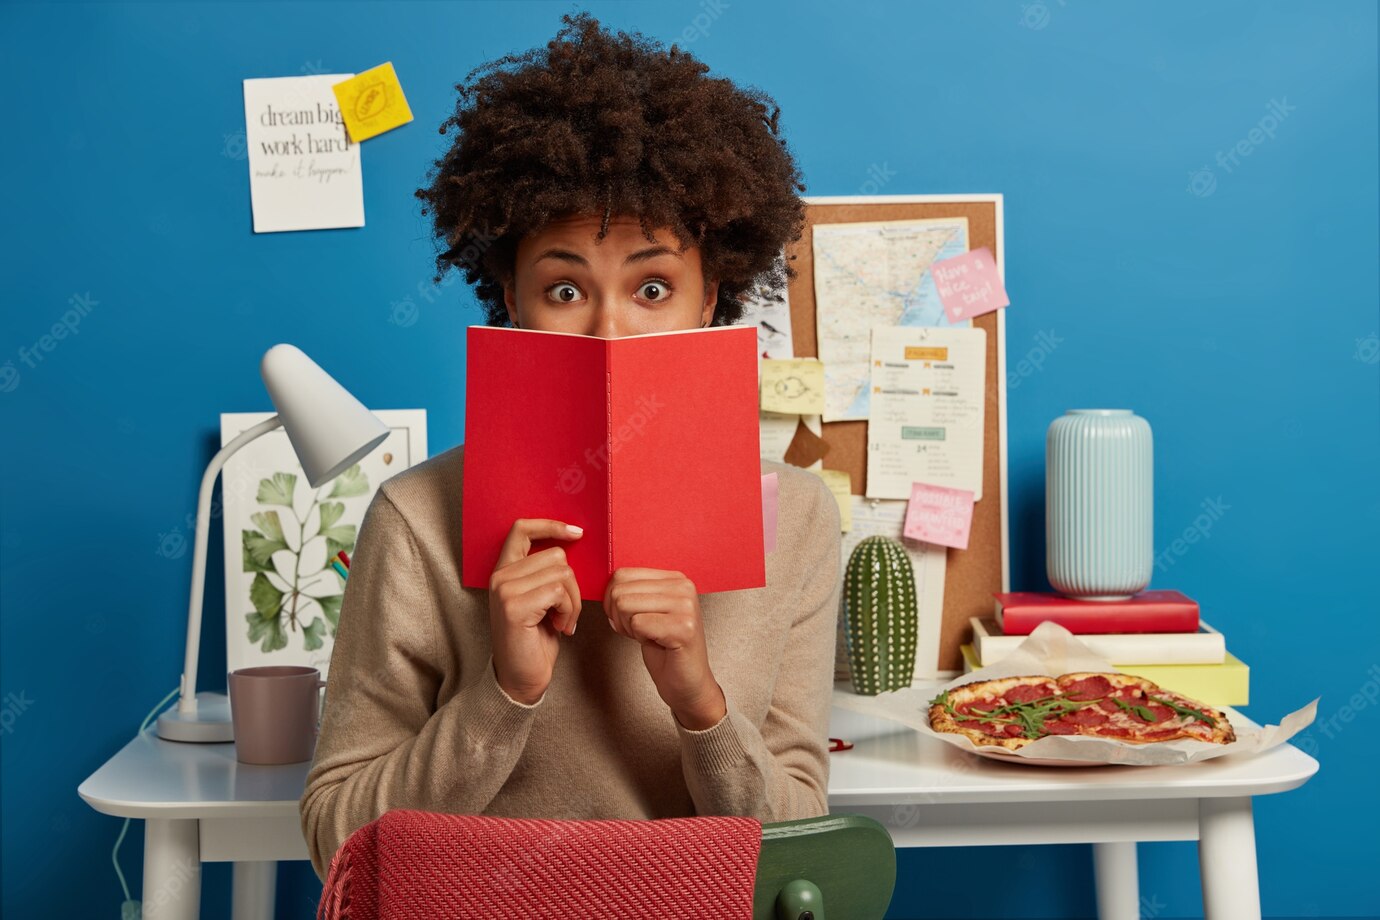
(541, 597)
(551, 584)
(668, 630)
(518, 543)
(663, 596)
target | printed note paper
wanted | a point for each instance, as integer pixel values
(303, 168)
(969, 285)
(771, 314)
(873, 518)
(775, 432)
(372, 102)
(841, 484)
(938, 514)
(875, 273)
(926, 414)
(794, 385)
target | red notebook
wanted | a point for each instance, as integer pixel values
(1148, 611)
(649, 442)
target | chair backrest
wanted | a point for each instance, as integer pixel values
(839, 866)
(409, 862)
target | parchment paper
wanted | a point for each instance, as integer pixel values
(1052, 650)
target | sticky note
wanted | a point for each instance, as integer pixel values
(841, 484)
(939, 514)
(794, 385)
(769, 512)
(968, 285)
(372, 102)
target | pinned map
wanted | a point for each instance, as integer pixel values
(875, 273)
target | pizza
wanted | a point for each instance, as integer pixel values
(1011, 712)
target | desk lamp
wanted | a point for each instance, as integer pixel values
(329, 430)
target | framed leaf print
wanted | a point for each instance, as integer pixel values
(282, 595)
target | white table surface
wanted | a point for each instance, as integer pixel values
(202, 805)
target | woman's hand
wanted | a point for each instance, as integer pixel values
(531, 599)
(661, 610)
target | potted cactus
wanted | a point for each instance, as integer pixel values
(880, 616)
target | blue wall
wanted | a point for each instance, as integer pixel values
(1237, 311)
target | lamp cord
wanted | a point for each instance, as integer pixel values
(115, 853)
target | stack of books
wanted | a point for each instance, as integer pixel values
(1157, 635)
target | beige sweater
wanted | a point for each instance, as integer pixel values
(414, 717)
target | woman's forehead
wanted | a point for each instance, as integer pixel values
(580, 233)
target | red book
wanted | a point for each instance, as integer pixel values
(648, 442)
(1146, 612)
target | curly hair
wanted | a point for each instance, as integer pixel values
(597, 123)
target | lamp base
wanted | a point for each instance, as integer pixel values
(208, 725)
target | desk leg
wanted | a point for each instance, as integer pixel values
(253, 888)
(1118, 881)
(1226, 859)
(172, 868)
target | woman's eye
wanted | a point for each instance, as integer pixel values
(563, 292)
(654, 290)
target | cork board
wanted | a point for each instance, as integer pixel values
(981, 570)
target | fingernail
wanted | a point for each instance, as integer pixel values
(574, 530)
(574, 626)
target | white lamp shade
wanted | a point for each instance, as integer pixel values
(329, 429)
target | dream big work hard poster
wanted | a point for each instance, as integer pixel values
(304, 171)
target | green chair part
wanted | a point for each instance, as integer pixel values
(839, 867)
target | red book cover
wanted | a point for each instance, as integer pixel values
(1020, 612)
(648, 442)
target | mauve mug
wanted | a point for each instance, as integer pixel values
(275, 710)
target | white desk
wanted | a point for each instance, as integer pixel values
(200, 805)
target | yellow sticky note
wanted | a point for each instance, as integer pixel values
(372, 102)
(793, 385)
(841, 484)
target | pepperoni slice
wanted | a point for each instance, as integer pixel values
(1089, 688)
(1025, 693)
(1159, 713)
(1108, 706)
(1060, 727)
(1088, 715)
(1014, 731)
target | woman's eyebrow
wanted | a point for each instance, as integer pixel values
(642, 255)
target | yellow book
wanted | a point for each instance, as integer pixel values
(1225, 684)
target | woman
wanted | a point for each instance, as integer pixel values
(605, 187)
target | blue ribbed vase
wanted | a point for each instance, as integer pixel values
(1099, 496)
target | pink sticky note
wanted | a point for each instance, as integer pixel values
(769, 512)
(968, 285)
(938, 514)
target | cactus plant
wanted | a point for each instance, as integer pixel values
(880, 616)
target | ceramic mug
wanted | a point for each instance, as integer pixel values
(275, 711)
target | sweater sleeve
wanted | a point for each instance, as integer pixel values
(381, 732)
(780, 772)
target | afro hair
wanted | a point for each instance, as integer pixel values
(605, 124)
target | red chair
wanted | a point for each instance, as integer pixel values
(419, 865)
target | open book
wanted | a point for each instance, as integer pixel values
(649, 442)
